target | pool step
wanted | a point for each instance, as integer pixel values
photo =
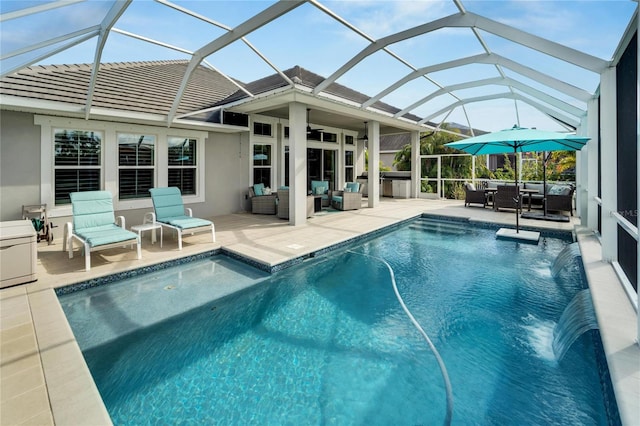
(428, 225)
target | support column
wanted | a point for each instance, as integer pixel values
(297, 164)
(591, 220)
(373, 132)
(609, 167)
(415, 164)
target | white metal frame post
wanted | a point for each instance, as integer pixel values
(591, 220)
(609, 167)
(415, 164)
(297, 164)
(373, 133)
(581, 175)
(638, 177)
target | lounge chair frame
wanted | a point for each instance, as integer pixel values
(104, 220)
(173, 201)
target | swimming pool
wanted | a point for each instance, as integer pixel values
(326, 342)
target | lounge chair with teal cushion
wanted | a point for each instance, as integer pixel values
(95, 225)
(169, 211)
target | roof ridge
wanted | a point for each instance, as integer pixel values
(105, 65)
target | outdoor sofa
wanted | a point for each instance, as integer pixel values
(559, 197)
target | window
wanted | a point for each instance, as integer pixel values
(77, 162)
(124, 159)
(182, 164)
(314, 135)
(329, 137)
(136, 161)
(348, 140)
(262, 164)
(348, 167)
(262, 129)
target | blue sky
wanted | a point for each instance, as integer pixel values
(309, 38)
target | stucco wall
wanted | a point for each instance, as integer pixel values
(226, 172)
(19, 163)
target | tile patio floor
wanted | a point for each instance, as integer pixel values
(44, 379)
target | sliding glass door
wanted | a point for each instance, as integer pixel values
(321, 165)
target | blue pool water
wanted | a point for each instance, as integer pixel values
(326, 342)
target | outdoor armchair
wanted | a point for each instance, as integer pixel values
(262, 203)
(169, 211)
(348, 199)
(95, 225)
(473, 195)
(321, 187)
(560, 198)
(508, 197)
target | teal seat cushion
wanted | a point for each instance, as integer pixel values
(91, 209)
(337, 199)
(105, 234)
(186, 222)
(167, 202)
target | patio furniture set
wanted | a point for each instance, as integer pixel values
(96, 227)
(320, 196)
(556, 197)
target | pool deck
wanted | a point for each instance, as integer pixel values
(45, 381)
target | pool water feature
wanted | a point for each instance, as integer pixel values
(326, 342)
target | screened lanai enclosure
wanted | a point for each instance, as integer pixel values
(216, 96)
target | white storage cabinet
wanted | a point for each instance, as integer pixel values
(18, 253)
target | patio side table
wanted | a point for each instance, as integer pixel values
(150, 226)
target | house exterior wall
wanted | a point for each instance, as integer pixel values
(226, 172)
(19, 163)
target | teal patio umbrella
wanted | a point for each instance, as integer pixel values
(519, 139)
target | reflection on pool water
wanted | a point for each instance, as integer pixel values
(326, 342)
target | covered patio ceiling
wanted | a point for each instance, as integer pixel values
(485, 65)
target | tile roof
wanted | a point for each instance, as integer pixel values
(309, 79)
(145, 87)
(150, 87)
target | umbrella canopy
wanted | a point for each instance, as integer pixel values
(519, 139)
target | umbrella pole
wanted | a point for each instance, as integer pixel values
(515, 160)
(544, 181)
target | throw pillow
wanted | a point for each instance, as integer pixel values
(320, 190)
(258, 189)
(470, 186)
(266, 191)
(353, 186)
(559, 190)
